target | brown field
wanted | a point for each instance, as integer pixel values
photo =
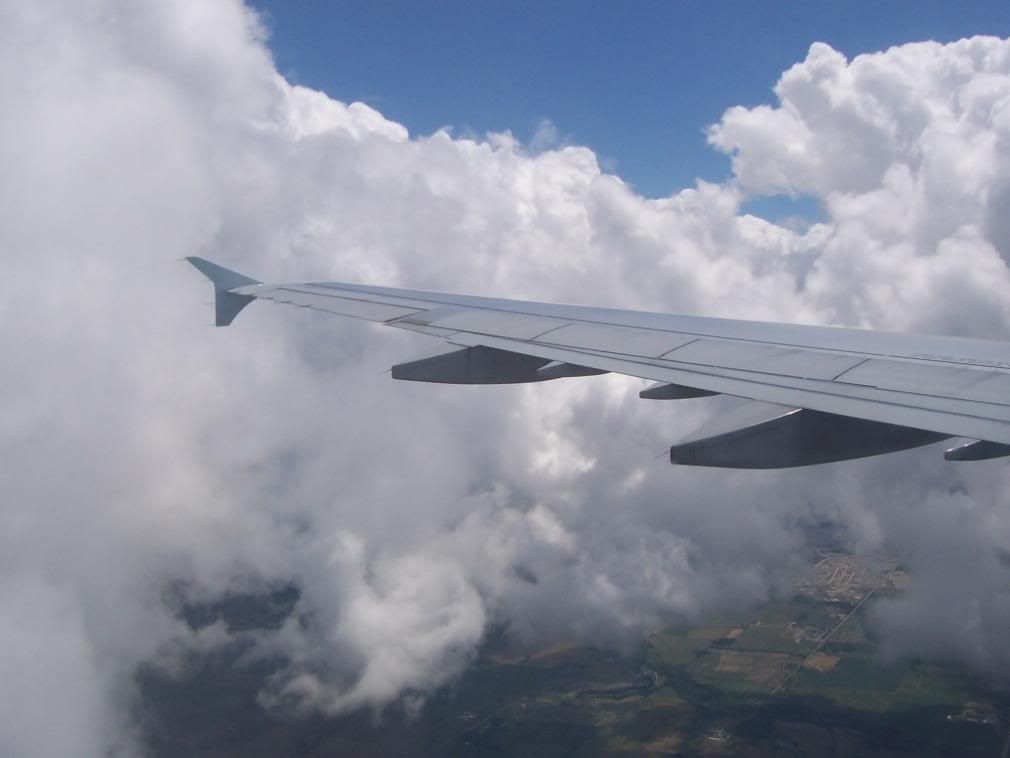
(821, 662)
(754, 668)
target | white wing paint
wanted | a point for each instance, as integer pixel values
(824, 393)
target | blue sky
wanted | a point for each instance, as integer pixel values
(637, 82)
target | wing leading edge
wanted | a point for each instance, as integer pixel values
(819, 394)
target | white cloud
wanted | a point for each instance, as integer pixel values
(143, 452)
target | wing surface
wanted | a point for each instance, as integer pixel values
(949, 387)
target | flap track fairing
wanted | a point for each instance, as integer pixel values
(560, 370)
(665, 391)
(791, 437)
(473, 365)
(978, 451)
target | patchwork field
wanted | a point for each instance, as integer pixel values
(795, 678)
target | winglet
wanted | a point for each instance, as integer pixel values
(227, 304)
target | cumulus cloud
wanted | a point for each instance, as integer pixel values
(143, 453)
(907, 150)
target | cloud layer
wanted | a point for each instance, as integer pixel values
(143, 453)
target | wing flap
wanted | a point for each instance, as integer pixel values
(770, 359)
(499, 323)
(921, 377)
(625, 340)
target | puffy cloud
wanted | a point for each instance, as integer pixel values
(906, 149)
(146, 456)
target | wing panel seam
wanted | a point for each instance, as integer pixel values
(921, 358)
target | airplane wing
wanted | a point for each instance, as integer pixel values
(820, 394)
